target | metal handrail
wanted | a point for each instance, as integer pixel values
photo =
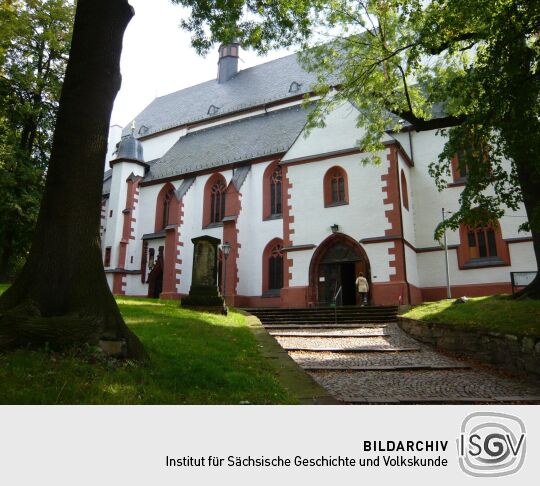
(335, 305)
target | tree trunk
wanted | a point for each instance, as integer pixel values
(529, 179)
(521, 131)
(61, 296)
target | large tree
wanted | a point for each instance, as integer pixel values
(34, 44)
(469, 68)
(61, 296)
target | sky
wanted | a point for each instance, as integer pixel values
(158, 59)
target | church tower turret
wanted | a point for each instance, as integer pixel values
(228, 61)
(128, 168)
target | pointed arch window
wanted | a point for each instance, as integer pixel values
(272, 191)
(336, 191)
(217, 201)
(272, 268)
(275, 268)
(166, 206)
(167, 202)
(214, 200)
(275, 192)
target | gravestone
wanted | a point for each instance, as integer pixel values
(203, 293)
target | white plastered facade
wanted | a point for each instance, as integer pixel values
(364, 219)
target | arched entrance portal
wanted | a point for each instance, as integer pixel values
(334, 265)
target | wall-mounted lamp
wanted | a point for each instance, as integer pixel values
(334, 228)
(226, 248)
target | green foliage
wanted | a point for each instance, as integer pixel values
(35, 39)
(490, 314)
(195, 358)
(466, 67)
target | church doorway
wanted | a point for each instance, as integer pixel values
(155, 277)
(333, 270)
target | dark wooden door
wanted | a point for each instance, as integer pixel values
(329, 282)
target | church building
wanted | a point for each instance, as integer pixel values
(301, 214)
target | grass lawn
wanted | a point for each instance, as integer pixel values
(196, 358)
(496, 313)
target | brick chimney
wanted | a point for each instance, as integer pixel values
(228, 61)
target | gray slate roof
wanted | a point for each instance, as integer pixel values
(250, 87)
(130, 148)
(237, 141)
(107, 179)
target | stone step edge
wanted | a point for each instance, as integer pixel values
(329, 335)
(440, 400)
(386, 368)
(353, 350)
(322, 326)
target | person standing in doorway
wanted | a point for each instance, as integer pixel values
(362, 287)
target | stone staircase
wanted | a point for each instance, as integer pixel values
(360, 355)
(323, 317)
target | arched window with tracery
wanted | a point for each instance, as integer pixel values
(273, 266)
(217, 201)
(167, 207)
(272, 192)
(336, 191)
(214, 200)
(275, 192)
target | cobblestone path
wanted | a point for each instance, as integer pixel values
(379, 363)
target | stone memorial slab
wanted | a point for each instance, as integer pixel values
(204, 293)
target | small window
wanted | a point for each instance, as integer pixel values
(294, 87)
(213, 109)
(107, 260)
(110, 213)
(144, 260)
(460, 170)
(338, 187)
(404, 191)
(336, 191)
(151, 258)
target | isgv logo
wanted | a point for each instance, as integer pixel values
(491, 444)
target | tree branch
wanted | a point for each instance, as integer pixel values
(445, 45)
(422, 125)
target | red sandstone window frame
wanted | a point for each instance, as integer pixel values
(273, 250)
(336, 187)
(166, 207)
(211, 217)
(460, 171)
(404, 190)
(272, 192)
(469, 254)
(107, 257)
